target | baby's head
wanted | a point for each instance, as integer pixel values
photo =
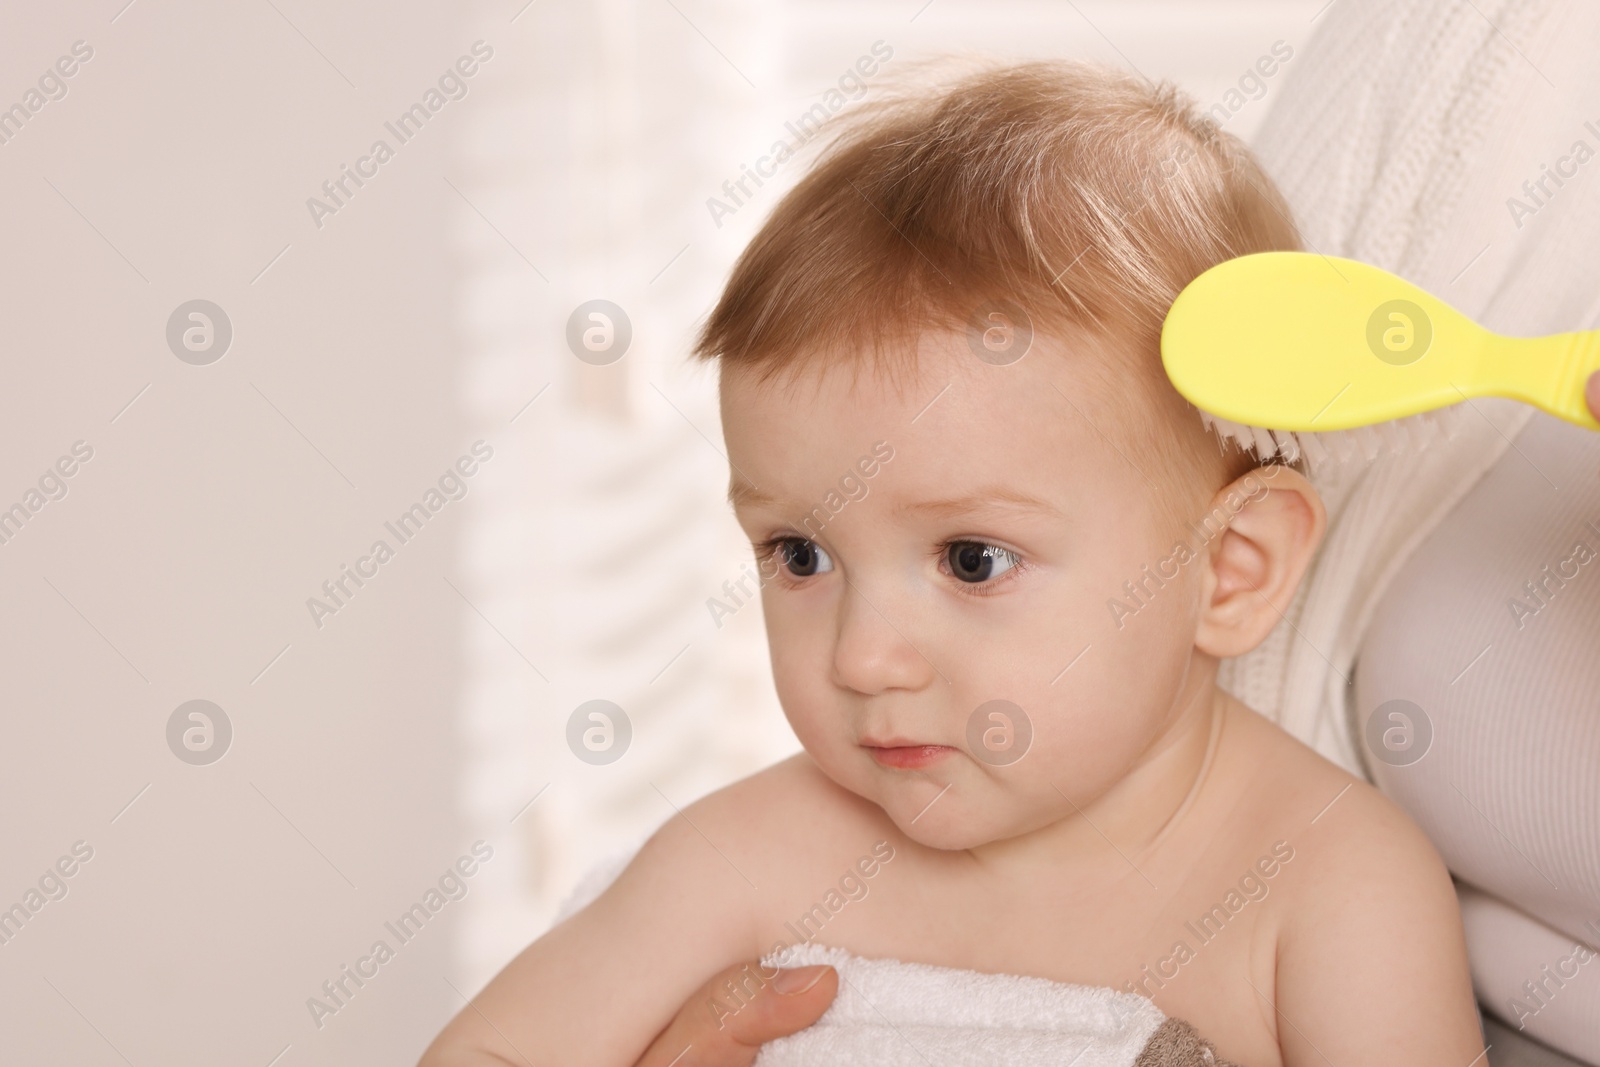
(968, 478)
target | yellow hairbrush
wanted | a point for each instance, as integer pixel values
(1302, 343)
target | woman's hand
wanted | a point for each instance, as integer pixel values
(697, 1037)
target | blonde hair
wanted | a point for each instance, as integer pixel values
(1084, 195)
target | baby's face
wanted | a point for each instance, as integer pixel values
(974, 565)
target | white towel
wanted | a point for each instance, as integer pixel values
(892, 1014)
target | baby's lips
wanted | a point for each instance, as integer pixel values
(899, 742)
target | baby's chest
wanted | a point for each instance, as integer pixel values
(1200, 948)
(1146, 939)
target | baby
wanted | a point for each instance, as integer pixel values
(1001, 559)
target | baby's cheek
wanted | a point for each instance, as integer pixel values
(800, 691)
(1093, 723)
(1080, 742)
(800, 658)
(810, 703)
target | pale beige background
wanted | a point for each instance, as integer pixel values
(367, 355)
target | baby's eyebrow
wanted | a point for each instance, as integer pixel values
(744, 494)
(984, 499)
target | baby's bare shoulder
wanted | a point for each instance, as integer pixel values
(791, 799)
(1368, 952)
(1354, 847)
(775, 826)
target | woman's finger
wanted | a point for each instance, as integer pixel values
(727, 1020)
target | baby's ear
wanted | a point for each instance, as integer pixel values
(1275, 520)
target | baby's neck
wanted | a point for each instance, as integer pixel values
(1142, 809)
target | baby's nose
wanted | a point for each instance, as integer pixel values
(877, 648)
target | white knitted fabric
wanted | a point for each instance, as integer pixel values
(1404, 129)
(1401, 131)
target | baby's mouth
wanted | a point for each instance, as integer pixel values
(902, 756)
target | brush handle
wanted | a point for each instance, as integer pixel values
(1580, 357)
(1547, 372)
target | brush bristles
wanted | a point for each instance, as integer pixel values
(1340, 450)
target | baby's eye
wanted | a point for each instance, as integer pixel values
(803, 558)
(974, 561)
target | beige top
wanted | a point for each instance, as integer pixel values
(1409, 134)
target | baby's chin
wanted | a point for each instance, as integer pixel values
(961, 827)
(950, 811)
